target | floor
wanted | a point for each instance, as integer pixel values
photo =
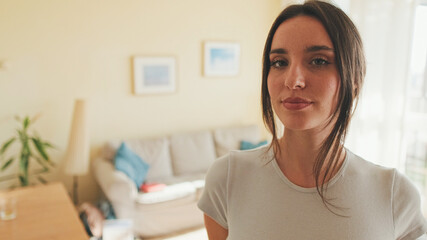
(194, 235)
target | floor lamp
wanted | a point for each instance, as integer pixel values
(77, 156)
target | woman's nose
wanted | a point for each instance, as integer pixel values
(295, 77)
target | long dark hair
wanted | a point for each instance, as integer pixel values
(350, 61)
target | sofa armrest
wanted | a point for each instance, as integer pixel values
(118, 187)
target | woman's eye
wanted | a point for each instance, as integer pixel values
(278, 63)
(319, 61)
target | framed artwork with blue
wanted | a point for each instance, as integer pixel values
(221, 59)
(154, 75)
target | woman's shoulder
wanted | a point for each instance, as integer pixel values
(364, 168)
(242, 159)
(393, 186)
(257, 156)
(382, 176)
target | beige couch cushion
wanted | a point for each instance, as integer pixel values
(227, 139)
(155, 152)
(192, 152)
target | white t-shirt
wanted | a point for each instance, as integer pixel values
(247, 193)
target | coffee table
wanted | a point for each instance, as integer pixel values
(43, 212)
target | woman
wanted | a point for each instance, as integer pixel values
(306, 185)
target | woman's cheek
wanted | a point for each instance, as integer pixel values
(273, 87)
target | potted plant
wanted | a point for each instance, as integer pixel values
(32, 148)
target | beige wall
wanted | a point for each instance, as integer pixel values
(53, 52)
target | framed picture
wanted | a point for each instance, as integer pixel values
(221, 59)
(154, 75)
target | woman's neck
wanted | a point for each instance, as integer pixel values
(297, 156)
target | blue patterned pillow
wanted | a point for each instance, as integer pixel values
(131, 164)
(245, 145)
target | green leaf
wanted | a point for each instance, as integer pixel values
(26, 149)
(22, 136)
(40, 148)
(40, 171)
(52, 164)
(23, 180)
(42, 180)
(7, 163)
(49, 145)
(41, 163)
(23, 164)
(26, 122)
(6, 145)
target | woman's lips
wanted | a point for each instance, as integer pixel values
(296, 103)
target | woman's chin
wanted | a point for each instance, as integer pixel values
(298, 127)
(307, 126)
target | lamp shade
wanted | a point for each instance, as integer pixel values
(77, 156)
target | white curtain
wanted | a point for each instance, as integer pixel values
(376, 131)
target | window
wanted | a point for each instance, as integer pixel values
(418, 74)
(415, 126)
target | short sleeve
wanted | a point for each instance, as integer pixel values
(213, 201)
(409, 223)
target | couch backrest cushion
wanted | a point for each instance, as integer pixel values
(227, 139)
(131, 164)
(155, 152)
(192, 152)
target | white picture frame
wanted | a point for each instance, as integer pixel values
(154, 75)
(221, 59)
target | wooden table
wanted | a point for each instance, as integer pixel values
(43, 212)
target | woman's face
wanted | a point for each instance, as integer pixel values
(303, 81)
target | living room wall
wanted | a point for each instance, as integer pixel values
(53, 52)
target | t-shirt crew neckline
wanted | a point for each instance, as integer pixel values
(313, 189)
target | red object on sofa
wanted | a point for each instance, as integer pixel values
(152, 187)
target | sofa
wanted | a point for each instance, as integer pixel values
(180, 161)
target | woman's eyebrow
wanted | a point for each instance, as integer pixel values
(316, 48)
(278, 51)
